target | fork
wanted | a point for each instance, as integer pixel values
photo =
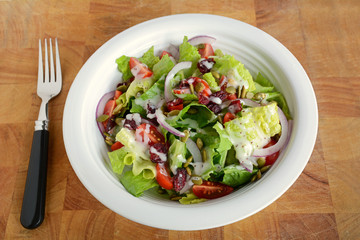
(33, 206)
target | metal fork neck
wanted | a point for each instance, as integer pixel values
(43, 121)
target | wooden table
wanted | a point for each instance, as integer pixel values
(324, 203)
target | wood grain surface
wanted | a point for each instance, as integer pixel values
(324, 203)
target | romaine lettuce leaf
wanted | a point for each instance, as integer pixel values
(163, 67)
(190, 198)
(149, 58)
(138, 85)
(127, 138)
(152, 96)
(203, 117)
(233, 69)
(190, 53)
(177, 153)
(209, 78)
(117, 159)
(123, 67)
(136, 185)
(235, 175)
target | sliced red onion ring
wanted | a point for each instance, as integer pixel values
(100, 108)
(282, 140)
(194, 150)
(168, 89)
(161, 120)
(201, 39)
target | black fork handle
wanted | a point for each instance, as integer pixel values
(33, 206)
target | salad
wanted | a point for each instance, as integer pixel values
(191, 122)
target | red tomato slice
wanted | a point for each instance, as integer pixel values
(117, 94)
(163, 176)
(116, 146)
(108, 110)
(270, 160)
(148, 134)
(206, 91)
(232, 96)
(165, 53)
(228, 117)
(144, 71)
(176, 107)
(207, 51)
(211, 190)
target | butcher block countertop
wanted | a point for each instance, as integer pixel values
(324, 202)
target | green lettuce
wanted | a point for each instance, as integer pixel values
(188, 52)
(224, 145)
(117, 159)
(252, 130)
(229, 66)
(209, 78)
(203, 117)
(191, 198)
(127, 138)
(151, 96)
(177, 154)
(163, 67)
(138, 86)
(149, 58)
(123, 67)
(263, 85)
(136, 185)
(235, 175)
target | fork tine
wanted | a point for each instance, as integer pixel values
(46, 63)
(58, 66)
(52, 73)
(40, 67)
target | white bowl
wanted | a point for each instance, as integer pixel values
(258, 51)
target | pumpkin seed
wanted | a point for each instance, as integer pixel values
(264, 169)
(259, 96)
(122, 88)
(188, 170)
(204, 155)
(175, 198)
(117, 109)
(219, 119)
(118, 121)
(199, 143)
(261, 162)
(253, 178)
(192, 88)
(108, 141)
(215, 74)
(258, 175)
(188, 161)
(161, 190)
(173, 113)
(192, 111)
(199, 87)
(185, 138)
(102, 118)
(230, 90)
(243, 92)
(196, 180)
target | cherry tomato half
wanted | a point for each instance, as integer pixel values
(270, 160)
(211, 190)
(148, 134)
(143, 71)
(163, 176)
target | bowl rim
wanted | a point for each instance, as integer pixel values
(136, 207)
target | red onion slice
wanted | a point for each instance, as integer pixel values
(282, 140)
(100, 108)
(168, 89)
(201, 39)
(161, 120)
(194, 150)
